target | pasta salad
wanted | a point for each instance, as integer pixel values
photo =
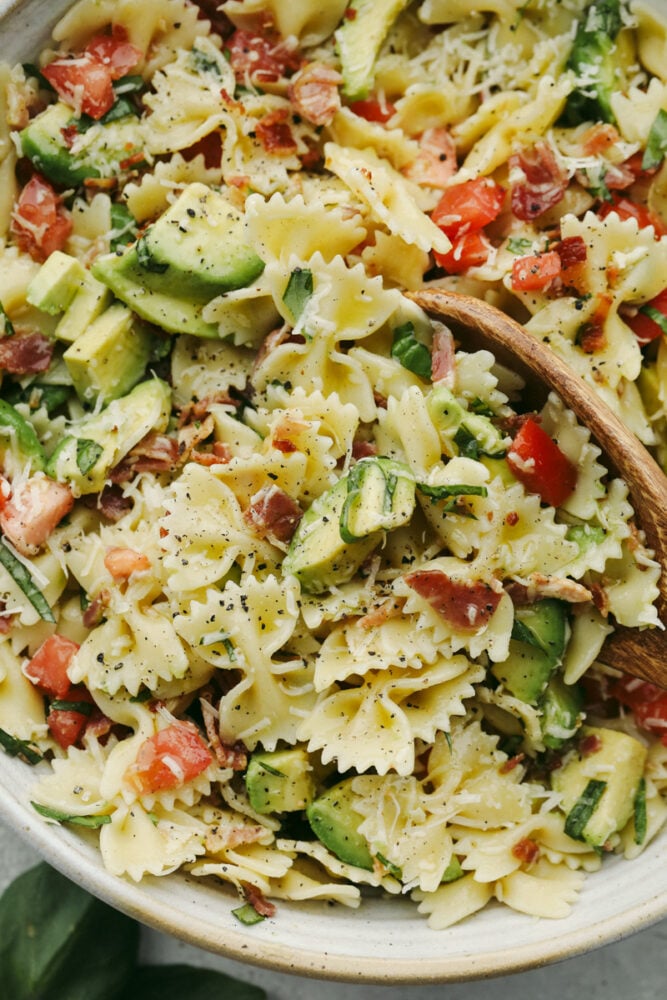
(299, 591)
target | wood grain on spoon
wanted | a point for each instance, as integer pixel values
(640, 653)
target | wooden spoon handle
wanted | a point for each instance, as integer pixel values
(643, 654)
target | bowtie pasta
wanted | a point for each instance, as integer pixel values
(299, 591)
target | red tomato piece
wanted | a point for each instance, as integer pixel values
(67, 725)
(647, 701)
(115, 53)
(625, 208)
(170, 758)
(469, 250)
(48, 667)
(536, 272)
(36, 506)
(83, 82)
(650, 322)
(543, 181)
(40, 224)
(373, 109)
(468, 206)
(466, 605)
(540, 465)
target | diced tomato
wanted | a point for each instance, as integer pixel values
(115, 53)
(260, 58)
(466, 605)
(374, 109)
(169, 759)
(469, 250)
(650, 321)
(647, 701)
(67, 725)
(468, 206)
(625, 208)
(536, 272)
(33, 511)
(122, 563)
(542, 182)
(82, 82)
(40, 224)
(540, 465)
(48, 667)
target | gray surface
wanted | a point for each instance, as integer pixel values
(634, 969)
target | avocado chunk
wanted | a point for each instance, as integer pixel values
(544, 625)
(89, 302)
(461, 431)
(280, 781)
(335, 822)
(199, 242)
(561, 706)
(110, 357)
(359, 37)
(43, 142)
(56, 283)
(193, 253)
(539, 638)
(345, 524)
(594, 60)
(598, 786)
(19, 445)
(98, 442)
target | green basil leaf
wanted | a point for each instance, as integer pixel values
(91, 822)
(145, 258)
(6, 325)
(299, 290)
(389, 866)
(203, 63)
(87, 453)
(130, 84)
(51, 397)
(248, 915)
(656, 147)
(82, 707)
(641, 819)
(583, 808)
(467, 443)
(411, 353)
(57, 942)
(271, 770)
(142, 697)
(174, 982)
(518, 245)
(480, 407)
(656, 315)
(16, 747)
(23, 579)
(441, 492)
(123, 226)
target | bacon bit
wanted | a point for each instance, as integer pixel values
(363, 449)
(543, 182)
(511, 763)
(281, 444)
(275, 134)
(512, 519)
(391, 608)
(273, 514)
(100, 183)
(598, 138)
(443, 356)
(94, 613)
(590, 744)
(25, 354)
(257, 900)
(591, 336)
(99, 725)
(122, 563)
(260, 59)
(6, 620)
(313, 155)
(600, 598)
(435, 164)
(240, 181)
(285, 432)
(200, 409)
(69, 134)
(272, 340)
(464, 604)
(380, 400)
(35, 508)
(540, 586)
(526, 851)
(112, 504)
(220, 839)
(512, 425)
(191, 435)
(314, 93)
(573, 253)
(234, 756)
(131, 161)
(154, 453)
(350, 14)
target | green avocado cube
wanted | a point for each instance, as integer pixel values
(110, 357)
(280, 781)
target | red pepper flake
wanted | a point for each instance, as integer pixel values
(350, 14)
(511, 763)
(282, 444)
(512, 518)
(590, 744)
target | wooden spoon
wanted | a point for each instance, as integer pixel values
(640, 653)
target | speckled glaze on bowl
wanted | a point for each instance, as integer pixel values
(385, 941)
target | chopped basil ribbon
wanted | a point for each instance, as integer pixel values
(641, 819)
(518, 245)
(87, 454)
(521, 632)
(16, 747)
(248, 915)
(656, 147)
(583, 809)
(145, 258)
(656, 315)
(299, 290)
(389, 866)
(271, 770)
(82, 707)
(411, 353)
(441, 492)
(91, 822)
(6, 325)
(223, 637)
(24, 580)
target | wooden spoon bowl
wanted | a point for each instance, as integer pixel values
(640, 653)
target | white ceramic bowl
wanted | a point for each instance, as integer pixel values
(384, 941)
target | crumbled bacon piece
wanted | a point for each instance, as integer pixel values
(464, 604)
(32, 512)
(363, 449)
(435, 164)
(590, 744)
(94, 613)
(391, 608)
(591, 337)
(258, 900)
(600, 598)
(539, 586)
(154, 453)
(540, 181)
(526, 851)
(25, 354)
(314, 92)
(275, 134)
(260, 59)
(220, 838)
(508, 766)
(273, 514)
(443, 356)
